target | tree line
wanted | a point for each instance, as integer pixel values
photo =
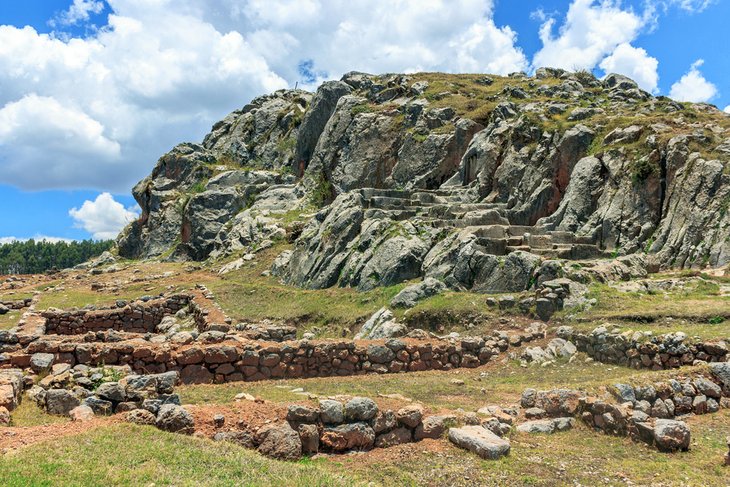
(35, 257)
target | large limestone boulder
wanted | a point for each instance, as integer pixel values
(480, 440)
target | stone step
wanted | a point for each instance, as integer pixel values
(397, 215)
(368, 193)
(494, 246)
(520, 230)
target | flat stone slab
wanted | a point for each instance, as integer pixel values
(547, 426)
(480, 441)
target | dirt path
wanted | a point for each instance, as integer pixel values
(12, 438)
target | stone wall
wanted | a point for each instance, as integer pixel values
(337, 427)
(644, 350)
(649, 413)
(136, 317)
(11, 388)
(234, 360)
(17, 304)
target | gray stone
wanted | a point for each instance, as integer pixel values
(480, 441)
(99, 406)
(331, 412)
(60, 401)
(671, 435)
(175, 419)
(240, 438)
(111, 391)
(380, 354)
(41, 362)
(432, 427)
(538, 426)
(309, 435)
(279, 441)
(360, 409)
(297, 413)
(410, 416)
(354, 436)
(411, 295)
(141, 417)
(397, 436)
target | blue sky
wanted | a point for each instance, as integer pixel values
(92, 92)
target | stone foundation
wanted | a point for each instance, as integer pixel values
(239, 360)
(643, 350)
(136, 317)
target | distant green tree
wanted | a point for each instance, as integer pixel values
(34, 257)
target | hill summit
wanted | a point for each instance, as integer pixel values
(475, 180)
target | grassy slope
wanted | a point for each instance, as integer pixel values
(132, 455)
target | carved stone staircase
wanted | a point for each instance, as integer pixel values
(489, 222)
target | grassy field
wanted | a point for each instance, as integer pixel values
(9, 319)
(132, 455)
(501, 382)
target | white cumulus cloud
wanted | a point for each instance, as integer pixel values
(104, 217)
(693, 86)
(591, 31)
(78, 11)
(727, 109)
(106, 106)
(635, 63)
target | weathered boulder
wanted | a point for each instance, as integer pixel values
(432, 427)
(331, 412)
(409, 296)
(671, 435)
(141, 417)
(397, 436)
(175, 419)
(81, 413)
(41, 362)
(61, 401)
(381, 325)
(353, 436)
(360, 409)
(480, 441)
(279, 441)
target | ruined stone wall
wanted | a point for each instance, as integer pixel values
(137, 317)
(17, 304)
(11, 388)
(643, 350)
(251, 361)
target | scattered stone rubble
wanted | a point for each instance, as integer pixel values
(104, 390)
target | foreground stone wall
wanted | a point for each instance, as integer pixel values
(337, 427)
(643, 350)
(136, 317)
(251, 361)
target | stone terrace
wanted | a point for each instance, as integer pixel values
(490, 222)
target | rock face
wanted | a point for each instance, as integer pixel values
(419, 184)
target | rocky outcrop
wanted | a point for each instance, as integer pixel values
(450, 177)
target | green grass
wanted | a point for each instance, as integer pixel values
(699, 303)
(79, 297)
(9, 320)
(497, 383)
(577, 457)
(247, 295)
(125, 454)
(29, 414)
